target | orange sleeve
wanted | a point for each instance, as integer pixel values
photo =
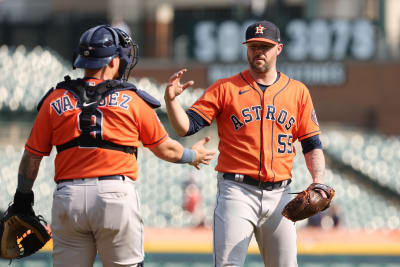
(209, 104)
(40, 139)
(151, 131)
(308, 124)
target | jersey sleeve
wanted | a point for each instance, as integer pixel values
(308, 124)
(209, 104)
(151, 131)
(40, 139)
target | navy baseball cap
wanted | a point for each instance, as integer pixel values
(263, 31)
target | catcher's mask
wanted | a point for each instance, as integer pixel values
(100, 44)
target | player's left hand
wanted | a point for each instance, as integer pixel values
(174, 87)
(309, 202)
(203, 155)
(321, 192)
(22, 233)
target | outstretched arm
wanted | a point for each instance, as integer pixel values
(315, 161)
(176, 114)
(172, 151)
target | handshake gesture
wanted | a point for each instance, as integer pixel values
(203, 155)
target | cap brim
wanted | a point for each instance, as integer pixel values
(263, 40)
(91, 62)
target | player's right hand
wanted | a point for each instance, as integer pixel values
(174, 87)
(203, 155)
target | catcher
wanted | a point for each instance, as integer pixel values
(96, 124)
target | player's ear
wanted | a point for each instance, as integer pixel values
(111, 63)
(279, 48)
(114, 66)
(114, 62)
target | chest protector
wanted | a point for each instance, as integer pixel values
(89, 98)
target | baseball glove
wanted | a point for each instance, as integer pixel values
(309, 202)
(21, 233)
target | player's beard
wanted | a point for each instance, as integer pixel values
(258, 68)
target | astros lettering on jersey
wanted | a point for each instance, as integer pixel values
(122, 118)
(262, 126)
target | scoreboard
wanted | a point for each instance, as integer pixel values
(314, 51)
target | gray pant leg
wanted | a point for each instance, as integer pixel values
(118, 228)
(276, 235)
(73, 243)
(234, 220)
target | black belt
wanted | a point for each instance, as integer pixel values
(101, 178)
(240, 178)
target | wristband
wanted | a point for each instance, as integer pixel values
(24, 184)
(23, 202)
(188, 156)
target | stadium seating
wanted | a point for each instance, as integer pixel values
(372, 154)
(25, 76)
(161, 189)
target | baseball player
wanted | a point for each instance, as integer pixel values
(96, 124)
(260, 113)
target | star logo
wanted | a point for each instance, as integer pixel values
(260, 29)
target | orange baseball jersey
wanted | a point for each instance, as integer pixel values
(123, 118)
(257, 130)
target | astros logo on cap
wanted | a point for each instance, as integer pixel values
(260, 29)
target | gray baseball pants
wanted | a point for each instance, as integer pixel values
(90, 216)
(243, 210)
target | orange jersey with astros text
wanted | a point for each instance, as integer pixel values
(123, 118)
(257, 129)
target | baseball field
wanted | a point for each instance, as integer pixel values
(192, 247)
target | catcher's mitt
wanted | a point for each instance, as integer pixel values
(309, 202)
(21, 234)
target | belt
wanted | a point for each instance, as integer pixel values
(269, 186)
(100, 178)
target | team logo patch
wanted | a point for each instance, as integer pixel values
(314, 117)
(260, 29)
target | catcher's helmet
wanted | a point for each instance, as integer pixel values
(100, 44)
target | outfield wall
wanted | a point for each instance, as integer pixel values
(192, 247)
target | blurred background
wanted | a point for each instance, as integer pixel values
(346, 51)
